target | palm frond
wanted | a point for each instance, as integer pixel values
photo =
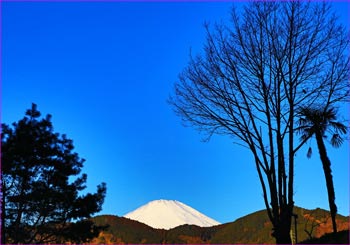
(330, 114)
(338, 127)
(306, 134)
(323, 121)
(336, 140)
(302, 122)
(309, 153)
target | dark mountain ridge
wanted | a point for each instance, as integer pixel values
(252, 228)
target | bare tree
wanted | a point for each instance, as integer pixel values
(314, 220)
(253, 77)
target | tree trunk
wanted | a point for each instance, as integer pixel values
(326, 163)
(283, 238)
(283, 226)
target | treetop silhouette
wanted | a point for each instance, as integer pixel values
(41, 182)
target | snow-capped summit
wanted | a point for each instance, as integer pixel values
(167, 214)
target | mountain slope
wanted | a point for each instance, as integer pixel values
(256, 227)
(123, 230)
(253, 228)
(166, 214)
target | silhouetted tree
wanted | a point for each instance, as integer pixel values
(317, 122)
(41, 201)
(253, 77)
(314, 220)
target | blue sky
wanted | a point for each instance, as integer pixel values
(105, 70)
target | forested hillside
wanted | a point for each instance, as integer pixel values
(253, 228)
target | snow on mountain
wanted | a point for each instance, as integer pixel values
(167, 214)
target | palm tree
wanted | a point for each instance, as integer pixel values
(317, 122)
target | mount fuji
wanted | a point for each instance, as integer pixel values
(167, 214)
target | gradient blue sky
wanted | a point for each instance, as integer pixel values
(105, 70)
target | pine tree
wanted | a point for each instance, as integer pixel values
(40, 199)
